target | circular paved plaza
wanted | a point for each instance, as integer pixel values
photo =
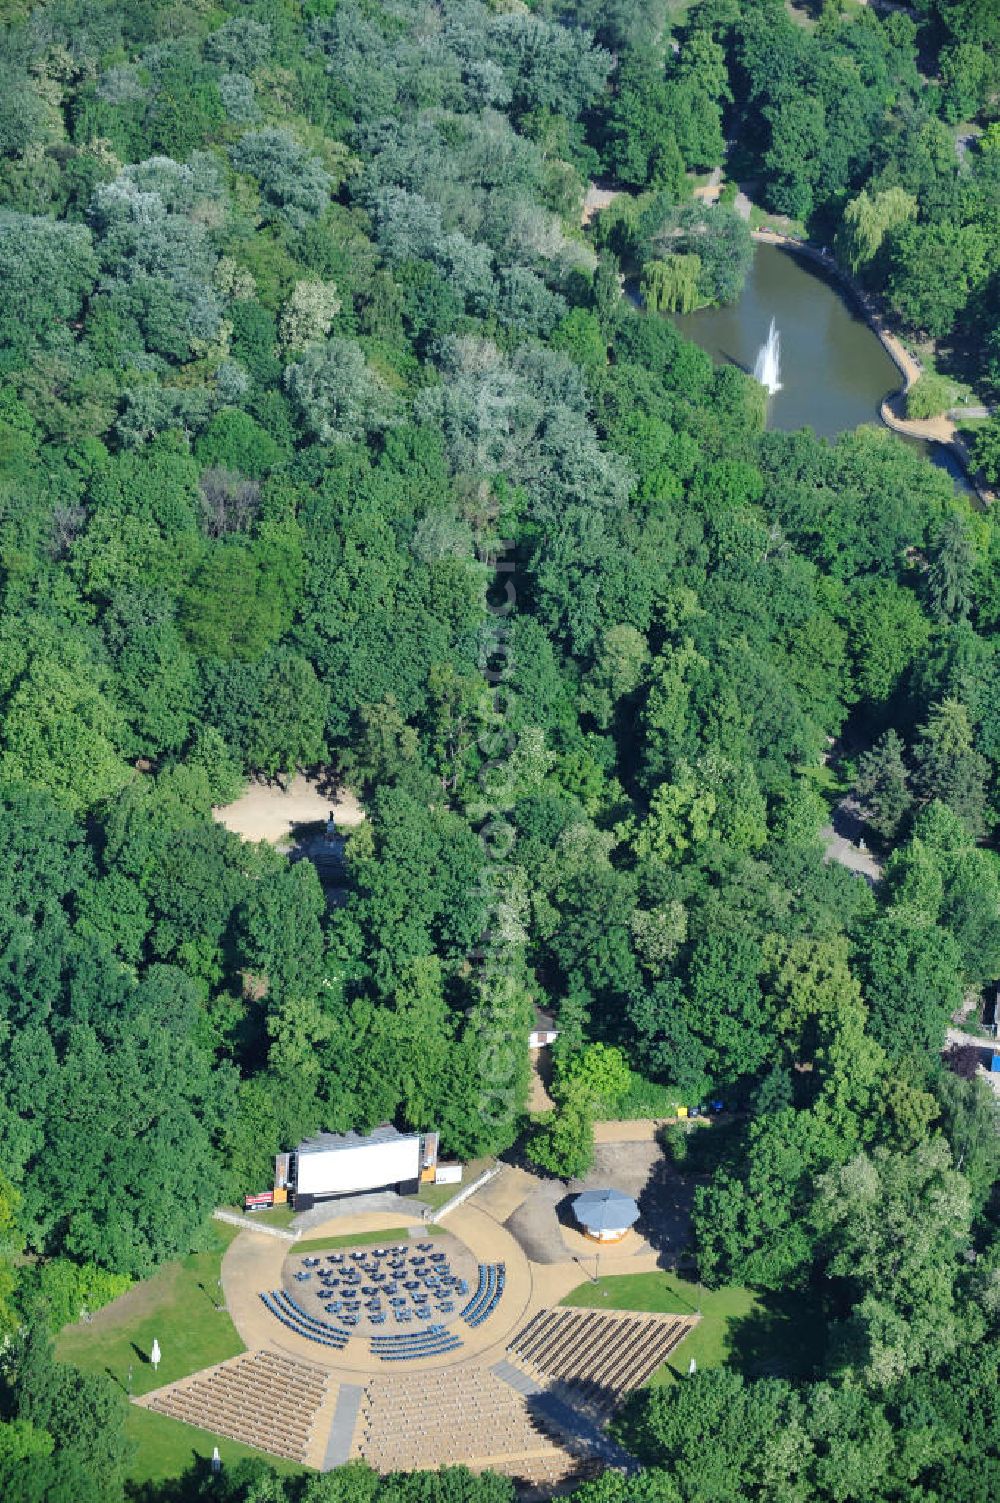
(384, 1288)
(359, 1283)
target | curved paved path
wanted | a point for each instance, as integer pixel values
(254, 1263)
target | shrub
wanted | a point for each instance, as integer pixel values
(930, 396)
(69, 1289)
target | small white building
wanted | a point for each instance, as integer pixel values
(544, 1032)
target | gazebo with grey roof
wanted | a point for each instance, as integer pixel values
(605, 1215)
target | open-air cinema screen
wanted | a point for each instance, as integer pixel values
(342, 1170)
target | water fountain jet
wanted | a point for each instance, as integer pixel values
(768, 363)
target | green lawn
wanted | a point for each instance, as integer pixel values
(970, 426)
(164, 1447)
(754, 1332)
(177, 1306)
(354, 1239)
(274, 1216)
(436, 1196)
(765, 219)
(676, 13)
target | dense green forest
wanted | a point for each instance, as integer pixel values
(328, 438)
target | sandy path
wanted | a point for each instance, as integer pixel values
(539, 1099)
(709, 192)
(266, 812)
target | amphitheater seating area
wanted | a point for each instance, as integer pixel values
(435, 1419)
(488, 1294)
(429, 1341)
(600, 1356)
(367, 1289)
(292, 1315)
(539, 1477)
(259, 1398)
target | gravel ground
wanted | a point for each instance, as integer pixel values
(637, 1169)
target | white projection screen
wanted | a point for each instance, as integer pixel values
(343, 1170)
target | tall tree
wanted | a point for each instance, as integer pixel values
(883, 785)
(893, 1227)
(948, 766)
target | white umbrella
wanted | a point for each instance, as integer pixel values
(154, 1355)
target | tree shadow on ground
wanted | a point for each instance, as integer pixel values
(196, 1481)
(312, 842)
(664, 1202)
(847, 821)
(785, 1337)
(665, 1206)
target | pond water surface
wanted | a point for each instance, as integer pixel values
(834, 371)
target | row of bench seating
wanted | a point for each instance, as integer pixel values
(298, 1320)
(492, 1277)
(414, 1344)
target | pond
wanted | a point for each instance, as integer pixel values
(834, 370)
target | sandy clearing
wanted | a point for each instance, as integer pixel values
(596, 199)
(267, 812)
